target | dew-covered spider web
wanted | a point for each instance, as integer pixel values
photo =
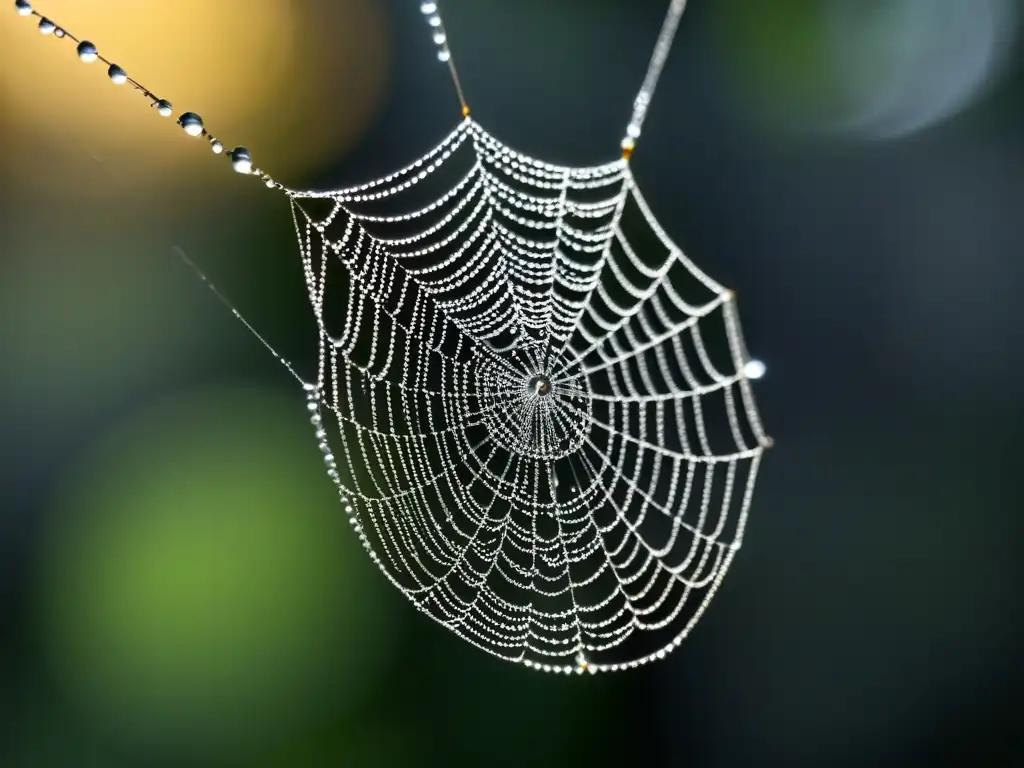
(535, 407)
(538, 404)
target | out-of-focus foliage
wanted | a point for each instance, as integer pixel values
(197, 579)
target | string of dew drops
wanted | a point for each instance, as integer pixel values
(193, 125)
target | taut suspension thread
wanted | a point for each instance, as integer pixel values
(444, 52)
(658, 58)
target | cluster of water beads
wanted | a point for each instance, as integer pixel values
(316, 419)
(190, 122)
(432, 14)
(440, 38)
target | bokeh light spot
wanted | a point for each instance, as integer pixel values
(870, 69)
(199, 590)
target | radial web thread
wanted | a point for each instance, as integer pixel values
(543, 432)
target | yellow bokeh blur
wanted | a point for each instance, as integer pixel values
(295, 82)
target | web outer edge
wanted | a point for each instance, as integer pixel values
(737, 350)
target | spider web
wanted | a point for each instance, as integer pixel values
(547, 440)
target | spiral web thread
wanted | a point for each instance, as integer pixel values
(547, 441)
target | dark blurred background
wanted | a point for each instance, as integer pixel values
(177, 584)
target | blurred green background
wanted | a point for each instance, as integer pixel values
(178, 586)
